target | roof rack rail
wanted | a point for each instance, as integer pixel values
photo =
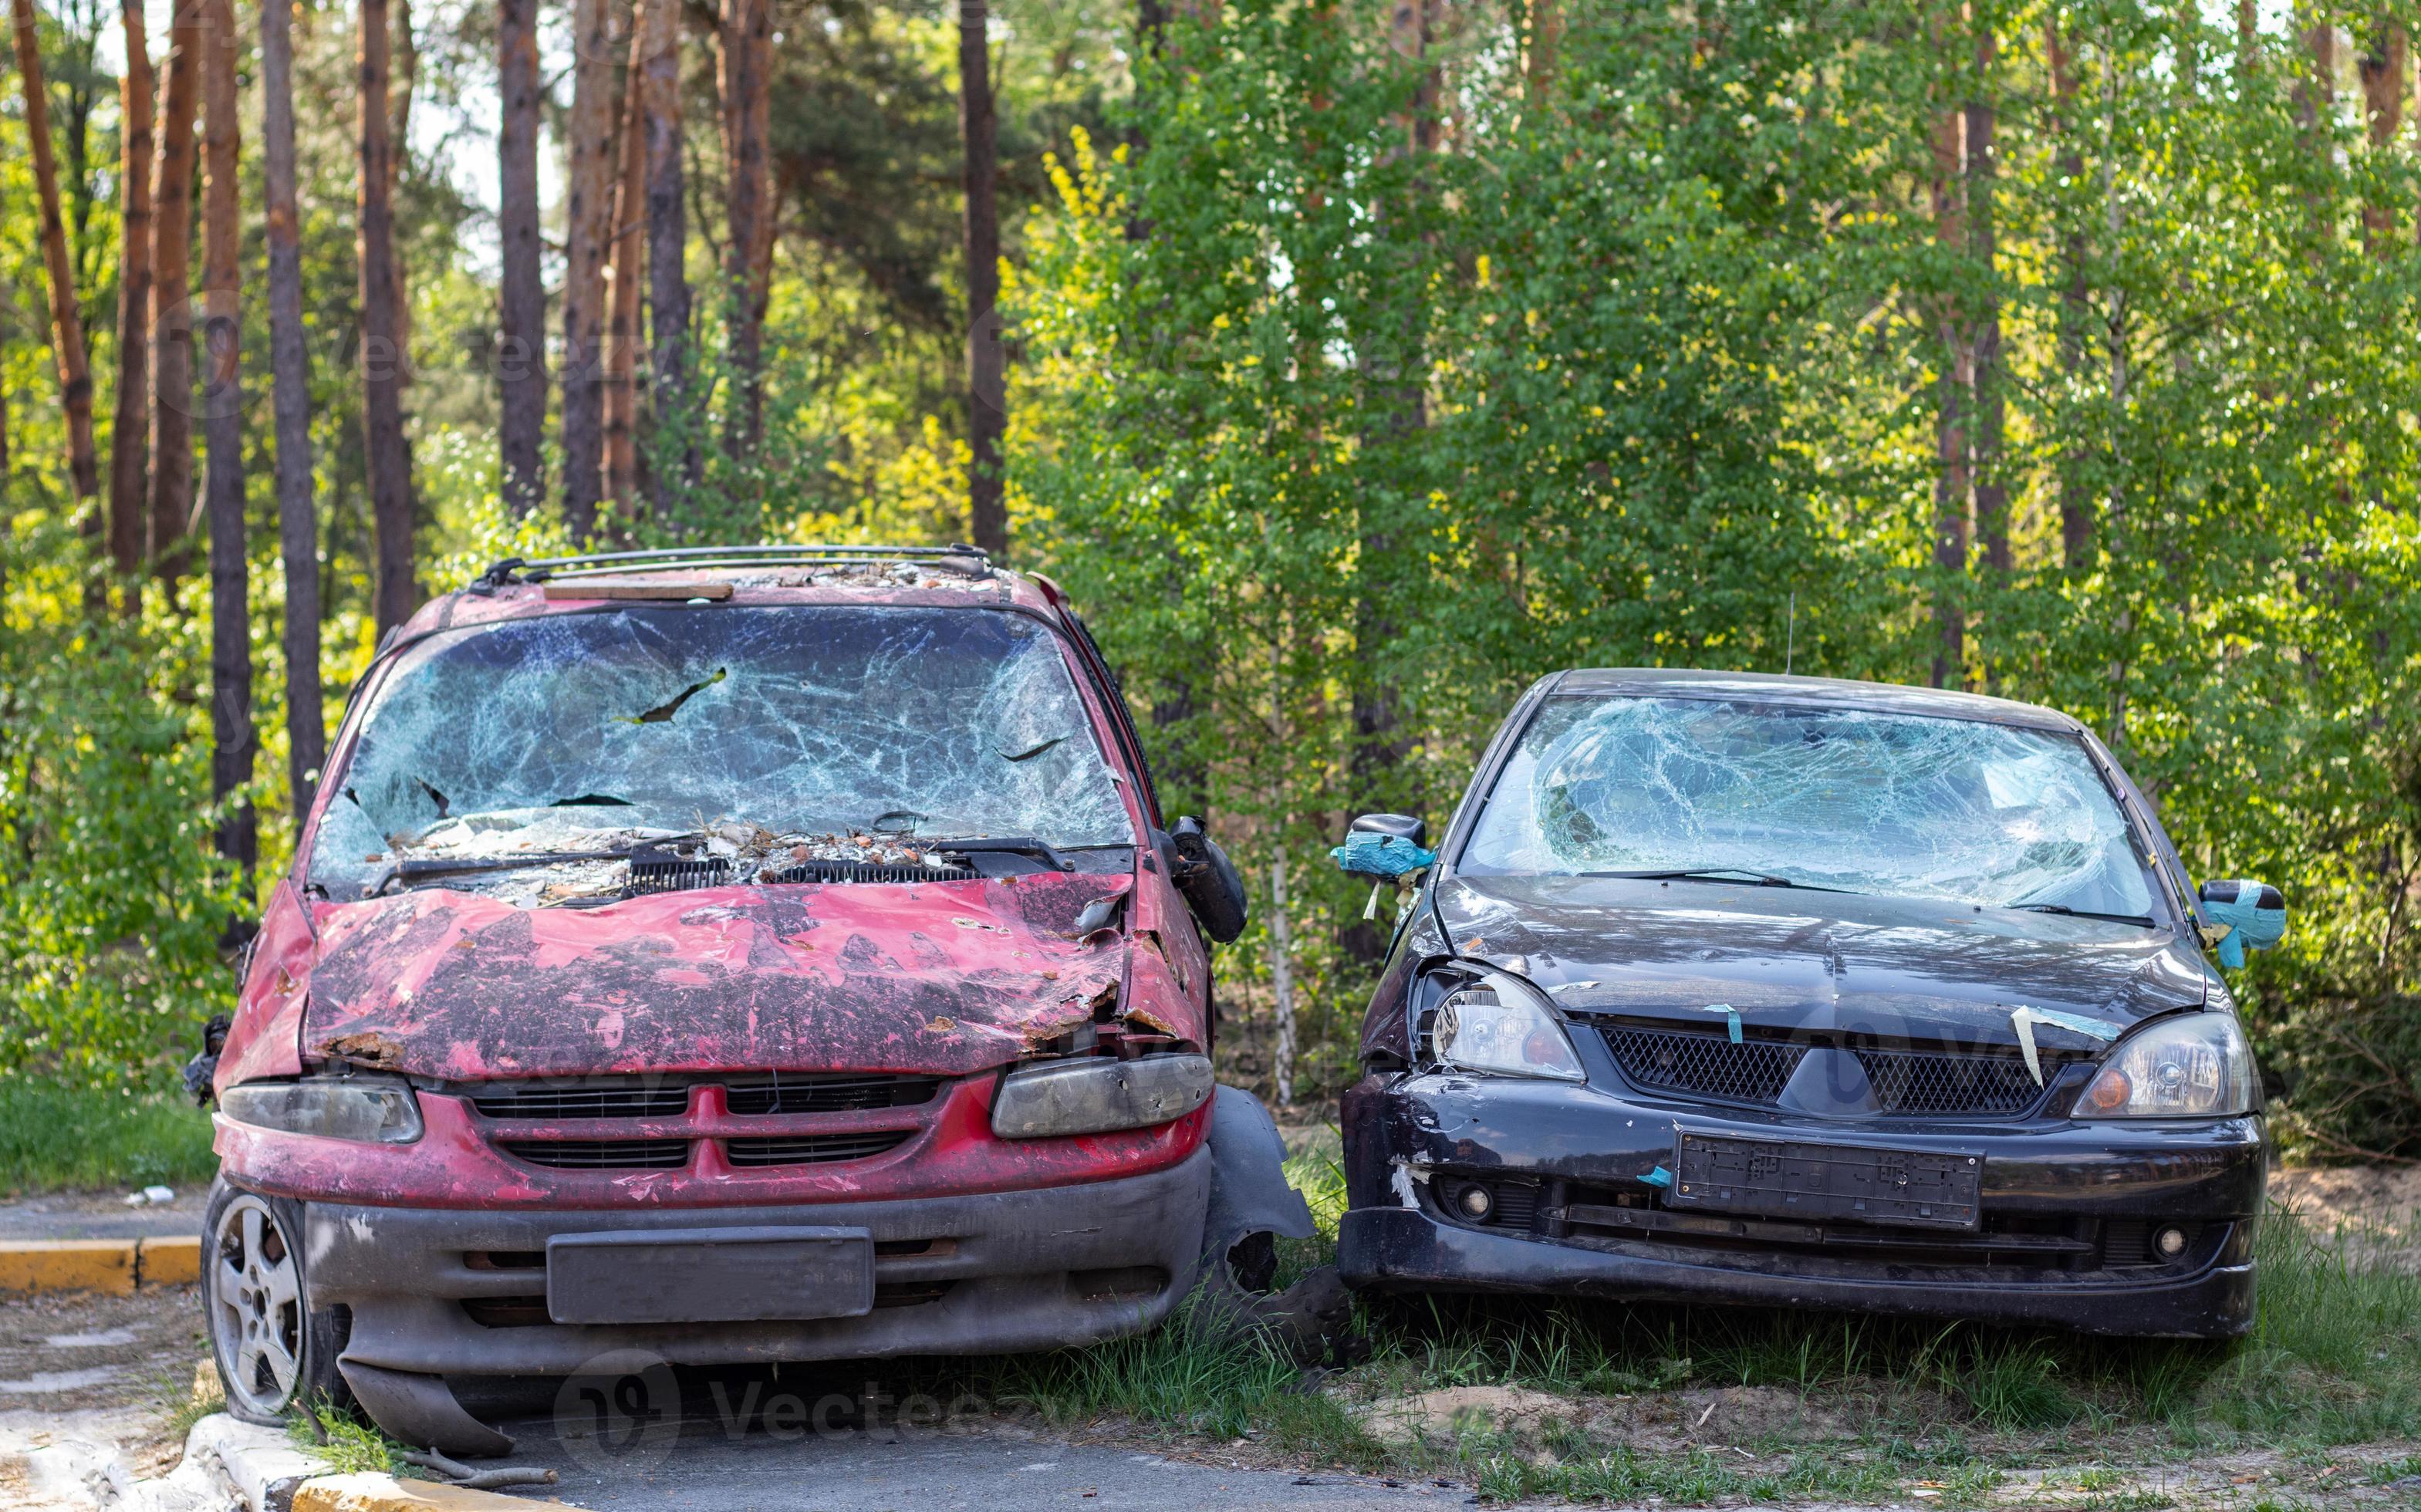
(514, 570)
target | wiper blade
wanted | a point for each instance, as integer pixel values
(1712, 874)
(2083, 913)
(1015, 844)
(421, 868)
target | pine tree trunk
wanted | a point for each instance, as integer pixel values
(1539, 59)
(627, 244)
(521, 301)
(1952, 391)
(986, 360)
(667, 279)
(1991, 492)
(394, 593)
(587, 215)
(130, 432)
(298, 525)
(172, 313)
(67, 326)
(1282, 976)
(404, 80)
(747, 93)
(2386, 68)
(231, 733)
(2075, 304)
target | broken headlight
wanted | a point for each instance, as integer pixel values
(2195, 1066)
(1497, 1024)
(1096, 1094)
(374, 1110)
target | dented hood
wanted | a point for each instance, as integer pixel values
(946, 977)
(1816, 962)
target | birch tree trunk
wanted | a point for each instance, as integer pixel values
(746, 88)
(231, 732)
(667, 279)
(627, 244)
(987, 367)
(521, 298)
(172, 314)
(393, 592)
(129, 431)
(587, 216)
(298, 524)
(67, 326)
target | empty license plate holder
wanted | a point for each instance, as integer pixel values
(1827, 1183)
(710, 1275)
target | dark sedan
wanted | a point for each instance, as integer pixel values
(1806, 993)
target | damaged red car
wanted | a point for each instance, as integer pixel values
(738, 956)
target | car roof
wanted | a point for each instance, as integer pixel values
(1809, 693)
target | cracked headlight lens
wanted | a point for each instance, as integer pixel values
(2195, 1066)
(371, 1110)
(1502, 1026)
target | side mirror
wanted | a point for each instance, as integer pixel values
(1383, 847)
(2247, 915)
(1206, 879)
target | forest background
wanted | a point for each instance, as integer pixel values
(1351, 362)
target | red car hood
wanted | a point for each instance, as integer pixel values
(944, 977)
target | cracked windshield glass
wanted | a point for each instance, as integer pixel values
(1861, 802)
(747, 736)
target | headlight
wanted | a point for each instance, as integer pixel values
(1502, 1026)
(372, 1110)
(2195, 1066)
(1095, 1094)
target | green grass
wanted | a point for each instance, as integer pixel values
(56, 1138)
(345, 1442)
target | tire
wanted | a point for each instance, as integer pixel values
(273, 1349)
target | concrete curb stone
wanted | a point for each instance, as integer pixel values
(112, 1265)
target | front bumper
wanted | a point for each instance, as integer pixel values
(2067, 1211)
(450, 1291)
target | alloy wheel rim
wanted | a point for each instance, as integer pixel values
(257, 1306)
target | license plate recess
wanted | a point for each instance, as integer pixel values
(710, 1275)
(1827, 1183)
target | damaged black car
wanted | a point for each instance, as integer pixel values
(1805, 993)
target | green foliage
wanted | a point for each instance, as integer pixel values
(1343, 441)
(123, 1133)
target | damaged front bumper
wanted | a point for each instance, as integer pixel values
(2073, 1214)
(446, 1292)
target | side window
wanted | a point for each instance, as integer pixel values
(1130, 743)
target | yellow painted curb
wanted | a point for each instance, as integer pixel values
(171, 1260)
(104, 1265)
(372, 1492)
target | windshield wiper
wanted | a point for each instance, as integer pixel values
(2082, 913)
(1713, 874)
(1015, 844)
(420, 868)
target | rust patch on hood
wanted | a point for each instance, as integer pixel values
(949, 977)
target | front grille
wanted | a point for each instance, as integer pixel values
(1913, 1083)
(812, 1149)
(864, 871)
(602, 1154)
(845, 1091)
(1707, 1065)
(638, 1099)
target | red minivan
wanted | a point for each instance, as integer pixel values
(763, 954)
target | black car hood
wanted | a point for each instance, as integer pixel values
(1811, 963)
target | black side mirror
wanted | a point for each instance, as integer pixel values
(1394, 844)
(1208, 880)
(2247, 914)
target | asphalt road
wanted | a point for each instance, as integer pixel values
(984, 1469)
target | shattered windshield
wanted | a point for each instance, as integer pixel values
(1864, 802)
(576, 732)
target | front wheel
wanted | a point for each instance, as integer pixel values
(273, 1349)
